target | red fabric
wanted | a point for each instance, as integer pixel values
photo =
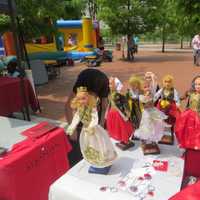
(188, 129)
(192, 163)
(191, 192)
(118, 128)
(11, 99)
(172, 111)
(33, 165)
(191, 168)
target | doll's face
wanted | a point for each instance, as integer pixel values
(83, 98)
(134, 86)
(148, 78)
(167, 83)
(146, 88)
(197, 85)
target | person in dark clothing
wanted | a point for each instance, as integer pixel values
(97, 83)
(13, 70)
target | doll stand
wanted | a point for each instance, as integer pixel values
(123, 146)
(168, 139)
(96, 170)
(151, 148)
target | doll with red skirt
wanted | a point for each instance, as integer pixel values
(187, 128)
(168, 103)
(118, 121)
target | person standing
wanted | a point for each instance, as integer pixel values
(136, 43)
(196, 46)
(130, 44)
(123, 44)
(71, 41)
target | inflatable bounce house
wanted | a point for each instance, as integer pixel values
(2, 50)
(83, 34)
(75, 40)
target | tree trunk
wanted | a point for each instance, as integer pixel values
(128, 29)
(128, 55)
(92, 8)
(190, 44)
(181, 42)
(163, 39)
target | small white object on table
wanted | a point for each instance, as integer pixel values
(78, 184)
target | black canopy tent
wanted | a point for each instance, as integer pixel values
(9, 7)
(4, 6)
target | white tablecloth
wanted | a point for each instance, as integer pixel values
(10, 130)
(78, 184)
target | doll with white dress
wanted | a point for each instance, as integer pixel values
(151, 78)
(168, 103)
(152, 124)
(95, 144)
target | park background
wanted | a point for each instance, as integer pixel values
(165, 29)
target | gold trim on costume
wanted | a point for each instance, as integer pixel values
(81, 89)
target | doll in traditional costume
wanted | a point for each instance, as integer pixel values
(152, 123)
(187, 127)
(95, 144)
(168, 103)
(133, 99)
(118, 121)
(151, 78)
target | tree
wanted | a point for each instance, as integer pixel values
(4, 23)
(37, 17)
(189, 18)
(91, 7)
(126, 17)
(164, 16)
(183, 24)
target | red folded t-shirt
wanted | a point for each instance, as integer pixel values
(39, 130)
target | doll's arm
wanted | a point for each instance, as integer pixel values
(74, 124)
(157, 95)
(176, 97)
(133, 94)
(94, 120)
(142, 99)
(147, 101)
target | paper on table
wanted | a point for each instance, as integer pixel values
(160, 165)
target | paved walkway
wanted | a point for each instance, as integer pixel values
(53, 95)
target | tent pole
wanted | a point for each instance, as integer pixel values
(12, 12)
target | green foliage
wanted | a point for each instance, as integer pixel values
(74, 9)
(92, 7)
(162, 18)
(4, 23)
(188, 17)
(126, 16)
(38, 16)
